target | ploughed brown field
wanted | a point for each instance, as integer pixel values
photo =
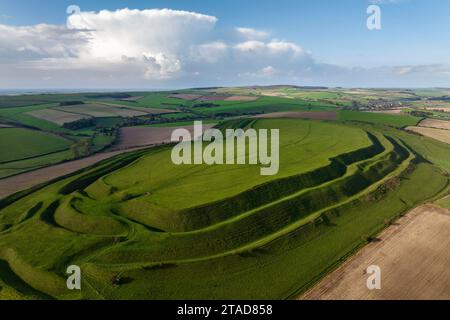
(301, 115)
(438, 124)
(242, 98)
(213, 98)
(437, 134)
(414, 258)
(188, 97)
(146, 136)
(390, 111)
(58, 117)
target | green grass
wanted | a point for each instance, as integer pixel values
(179, 123)
(16, 167)
(398, 121)
(24, 143)
(142, 228)
(100, 142)
(444, 202)
(166, 179)
(19, 116)
(265, 105)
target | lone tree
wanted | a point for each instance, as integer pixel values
(80, 148)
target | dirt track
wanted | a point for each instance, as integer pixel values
(414, 257)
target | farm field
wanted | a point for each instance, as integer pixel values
(438, 134)
(419, 239)
(20, 116)
(130, 137)
(395, 120)
(19, 167)
(433, 123)
(301, 115)
(103, 110)
(57, 116)
(339, 184)
(27, 180)
(24, 143)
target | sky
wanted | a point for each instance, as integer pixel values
(162, 44)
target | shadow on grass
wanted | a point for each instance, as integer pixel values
(12, 280)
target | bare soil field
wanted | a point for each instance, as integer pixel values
(414, 258)
(438, 124)
(58, 117)
(273, 94)
(301, 115)
(242, 98)
(437, 134)
(213, 98)
(189, 97)
(145, 136)
(102, 110)
(392, 111)
(140, 109)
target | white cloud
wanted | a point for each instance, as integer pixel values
(39, 41)
(152, 45)
(163, 48)
(266, 72)
(275, 47)
(211, 52)
(252, 34)
(421, 69)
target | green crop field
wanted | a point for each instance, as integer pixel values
(142, 228)
(21, 116)
(23, 143)
(399, 121)
(265, 105)
(20, 166)
(26, 149)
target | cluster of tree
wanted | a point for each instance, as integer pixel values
(81, 148)
(421, 114)
(113, 95)
(70, 103)
(356, 105)
(80, 124)
(106, 131)
(205, 105)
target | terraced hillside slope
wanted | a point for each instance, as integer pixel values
(142, 228)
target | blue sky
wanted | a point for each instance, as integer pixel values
(338, 47)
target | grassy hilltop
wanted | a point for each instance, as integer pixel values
(140, 227)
